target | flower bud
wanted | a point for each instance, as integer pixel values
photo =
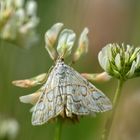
(50, 39)
(65, 43)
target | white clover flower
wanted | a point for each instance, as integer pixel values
(18, 22)
(120, 61)
(8, 128)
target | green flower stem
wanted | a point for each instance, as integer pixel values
(58, 129)
(109, 122)
(117, 93)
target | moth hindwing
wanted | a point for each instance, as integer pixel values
(67, 91)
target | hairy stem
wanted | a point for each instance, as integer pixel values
(58, 129)
(109, 121)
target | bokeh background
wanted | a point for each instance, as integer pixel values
(108, 21)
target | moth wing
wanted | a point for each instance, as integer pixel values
(96, 100)
(75, 104)
(83, 97)
(49, 104)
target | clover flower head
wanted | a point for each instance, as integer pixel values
(120, 61)
(18, 22)
(9, 128)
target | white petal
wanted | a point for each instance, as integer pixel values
(126, 57)
(132, 70)
(83, 40)
(31, 7)
(129, 49)
(109, 52)
(118, 61)
(50, 39)
(138, 61)
(19, 3)
(31, 98)
(103, 59)
(66, 42)
(83, 44)
(52, 34)
(100, 59)
(135, 53)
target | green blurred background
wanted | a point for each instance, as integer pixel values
(108, 21)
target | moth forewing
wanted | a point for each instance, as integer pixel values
(93, 98)
(67, 91)
(49, 104)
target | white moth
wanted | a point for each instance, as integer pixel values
(68, 92)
